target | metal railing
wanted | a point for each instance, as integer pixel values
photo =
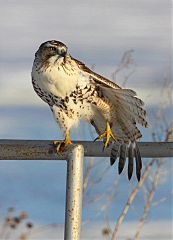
(44, 150)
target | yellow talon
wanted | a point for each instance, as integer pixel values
(106, 134)
(60, 145)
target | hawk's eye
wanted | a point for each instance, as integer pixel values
(53, 48)
(63, 51)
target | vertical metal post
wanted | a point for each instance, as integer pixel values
(74, 189)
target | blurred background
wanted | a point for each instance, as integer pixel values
(126, 41)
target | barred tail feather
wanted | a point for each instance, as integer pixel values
(130, 163)
(122, 159)
(114, 153)
(138, 161)
(131, 151)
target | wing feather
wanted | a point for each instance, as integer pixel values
(126, 110)
(126, 105)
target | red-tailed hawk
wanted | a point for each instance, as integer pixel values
(74, 92)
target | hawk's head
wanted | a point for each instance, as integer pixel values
(52, 48)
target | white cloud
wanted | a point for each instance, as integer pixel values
(97, 32)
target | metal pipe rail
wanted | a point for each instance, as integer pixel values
(74, 190)
(44, 150)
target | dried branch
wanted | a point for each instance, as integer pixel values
(150, 198)
(126, 61)
(162, 200)
(147, 207)
(131, 198)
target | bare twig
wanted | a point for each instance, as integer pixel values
(131, 199)
(147, 207)
(126, 61)
(150, 198)
(162, 200)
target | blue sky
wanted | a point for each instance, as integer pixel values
(96, 32)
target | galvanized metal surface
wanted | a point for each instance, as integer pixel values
(74, 189)
(44, 150)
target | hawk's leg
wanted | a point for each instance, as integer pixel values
(107, 134)
(60, 145)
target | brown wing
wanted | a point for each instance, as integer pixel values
(126, 111)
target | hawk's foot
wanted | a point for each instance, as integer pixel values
(107, 134)
(61, 145)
